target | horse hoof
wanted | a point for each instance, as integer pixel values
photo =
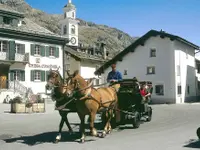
(81, 141)
(109, 132)
(102, 135)
(56, 141)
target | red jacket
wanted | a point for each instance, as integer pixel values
(142, 92)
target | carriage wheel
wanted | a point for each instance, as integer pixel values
(136, 120)
(149, 113)
(198, 132)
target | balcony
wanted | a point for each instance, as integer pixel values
(19, 58)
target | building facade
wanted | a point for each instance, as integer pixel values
(27, 52)
(166, 60)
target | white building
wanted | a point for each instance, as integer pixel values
(165, 59)
(27, 52)
(86, 59)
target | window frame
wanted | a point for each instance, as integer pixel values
(37, 77)
(52, 51)
(179, 89)
(37, 52)
(153, 51)
(17, 75)
(178, 67)
(73, 29)
(153, 70)
(163, 90)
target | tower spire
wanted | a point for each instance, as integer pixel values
(69, 1)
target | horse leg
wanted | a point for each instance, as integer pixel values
(93, 131)
(67, 123)
(82, 127)
(107, 128)
(58, 137)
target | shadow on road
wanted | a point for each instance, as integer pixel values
(47, 137)
(193, 144)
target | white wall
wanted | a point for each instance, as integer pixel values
(37, 87)
(87, 70)
(184, 56)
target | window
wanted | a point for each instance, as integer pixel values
(65, 29)
(37, 75)
(3, 46)
(20, 48)
(65, 15)
(198, 84)
(73, 15)
(125, 72)
(153, 52)
(179, 89)
(52, 51)
(198, 68)
(188, 89)
(18, 75)
(73, 29)
(37, 50)
(150, 70)
(159, 89)
(67, 66)
(97, 81)
(178, 70)
(7, 20)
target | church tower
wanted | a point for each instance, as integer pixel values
(69, 25)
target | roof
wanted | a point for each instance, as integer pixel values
(141, 41)
(8, 9)
(81, 55)
(27, 26)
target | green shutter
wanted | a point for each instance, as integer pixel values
(42, 50)
(11, 50)
(57, 52)
(32, 75)
(32, 49)
(22, 47)
(47, 73)
(47, 51)
(1, 19)
(42, 76)
(11, 75)
(22, 75)
(15, 22)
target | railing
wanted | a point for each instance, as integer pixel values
(18, 57)
(16, 86)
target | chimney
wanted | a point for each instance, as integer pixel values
(103, 49)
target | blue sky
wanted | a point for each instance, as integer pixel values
(135, 17)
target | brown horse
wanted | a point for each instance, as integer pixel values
(90, 101)
(55, 83)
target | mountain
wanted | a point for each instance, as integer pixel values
(89, 33)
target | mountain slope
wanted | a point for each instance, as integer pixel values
(89, 33)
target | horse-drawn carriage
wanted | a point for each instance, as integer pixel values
(130, 106)
(78, 95)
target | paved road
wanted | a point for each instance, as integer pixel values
(173, 127)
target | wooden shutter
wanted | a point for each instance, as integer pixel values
(57, 52)
(22, 47)
(42, 50)
(47, 73)
(32, 75)
(11, 75)
(47, 51)
(42, 76)
(32, 49)
(22, 72)
(11, 50)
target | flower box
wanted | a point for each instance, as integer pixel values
(20, 108)
(38, 107)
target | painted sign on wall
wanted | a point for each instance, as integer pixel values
(43, 66)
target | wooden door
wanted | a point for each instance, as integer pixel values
(3, 82)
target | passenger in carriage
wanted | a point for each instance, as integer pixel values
(144, 95)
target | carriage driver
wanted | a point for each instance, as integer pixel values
(114, 75)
